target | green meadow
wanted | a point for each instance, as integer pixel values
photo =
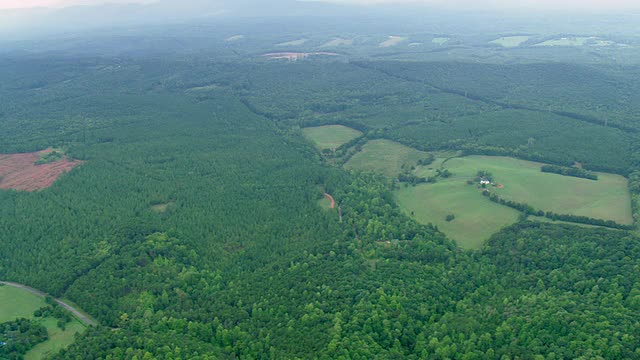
(19, 303)
(510, 41)
(384, 157)
(476, 218)
(607, 198)
(330, 136)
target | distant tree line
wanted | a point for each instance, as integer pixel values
(569, 171)
(530, 210)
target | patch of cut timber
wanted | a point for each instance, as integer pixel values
(19, 171)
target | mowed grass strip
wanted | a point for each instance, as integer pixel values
(608, 198)
(476, 218)
(330, 136)
(384, 157)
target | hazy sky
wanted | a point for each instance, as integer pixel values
(610, 5)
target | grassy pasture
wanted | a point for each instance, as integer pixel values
(440, 40)
(567, 41)
(19, 303)
(384, 157)
(330, 136)
(608, 198)
(476, 218)
(510, 41)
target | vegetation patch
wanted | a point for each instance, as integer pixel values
(607, 199)
(330, 136)
(392, 41)
(161, 207)
(510, 41)
(474, 220)
(26, 172)
(35, 314)
(440, 40)
(385, 157)
(338, 42)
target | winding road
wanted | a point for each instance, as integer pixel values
(72, 309)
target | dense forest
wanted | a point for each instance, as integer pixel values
(192, 230)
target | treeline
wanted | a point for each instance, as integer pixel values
(19, 336)
(529, 210)
(569, 171)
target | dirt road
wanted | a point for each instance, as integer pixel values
(73, 310)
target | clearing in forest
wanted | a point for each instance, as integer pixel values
(337, 42)
(476, 218)
(330, 136)
(567, 41)
(385, 157)
(19, 303)
(28, 172)
(392, 41)
(293, 42)
(440, 40)
(510, 41)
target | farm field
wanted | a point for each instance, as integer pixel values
(608, 198)
(510, 41)
(566, 41)
(476, 218)
(385, 157)
(392, 41)
(440, 40)
(330, 136)
(19, 303)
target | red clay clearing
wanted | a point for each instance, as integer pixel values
(19, 172)
(330, 198)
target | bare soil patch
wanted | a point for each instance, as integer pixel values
(330, 198)
(19, 171)
(293, 56)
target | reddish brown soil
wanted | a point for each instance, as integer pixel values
(500, 186)
(330, 198)
(18, 171)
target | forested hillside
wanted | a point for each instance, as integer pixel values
(192, 230)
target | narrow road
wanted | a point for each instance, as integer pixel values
(73, 310)
(330, 198)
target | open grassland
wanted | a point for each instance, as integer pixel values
(476, 218)
(384, 157)
(337, 42)
(567, 41)
(440, 40)
(510, 41)
(58, 339)
(19, 303)
(392, 41)
(330, 136)
(608, 198)
(293, 42)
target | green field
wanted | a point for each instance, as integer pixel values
(566, 41)
(510, 41)
(608, 198)
(385, 157)
(18, 303)
(476, 218)
(330, 136)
